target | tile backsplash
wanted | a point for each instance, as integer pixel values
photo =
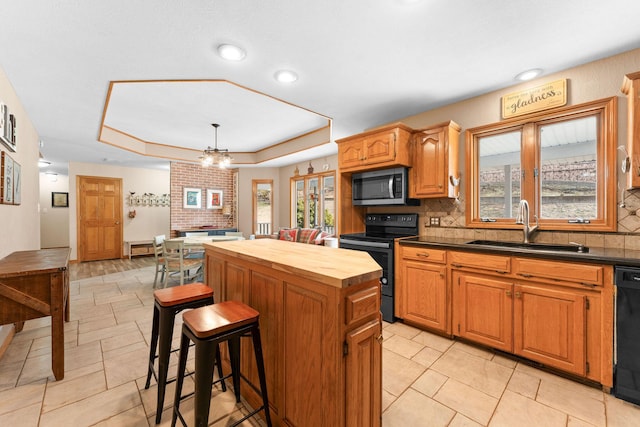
(452, 225)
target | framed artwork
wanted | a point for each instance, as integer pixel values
(59, 200)
(192, 198)
(7, 127)
(214, 199)
(6, 173)
(17, 182)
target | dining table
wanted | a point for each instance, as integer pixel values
(197, 242)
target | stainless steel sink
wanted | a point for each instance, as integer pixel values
(531, 246)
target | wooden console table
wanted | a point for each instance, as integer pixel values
(36, 284)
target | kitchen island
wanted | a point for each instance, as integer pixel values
(320, 324)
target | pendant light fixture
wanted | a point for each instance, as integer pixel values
(211, 156)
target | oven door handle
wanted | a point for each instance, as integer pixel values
(365, 244)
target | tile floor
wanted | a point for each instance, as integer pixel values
(428, 380)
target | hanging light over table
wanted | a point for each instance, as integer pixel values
(211, 156)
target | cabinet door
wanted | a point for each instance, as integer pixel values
(380, 148)
(428, 173)
(350, 154)
(483, 310)
(549, 326)
(425, 295)
(364, 376)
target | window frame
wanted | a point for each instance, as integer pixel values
(321, 177)
(606, 112)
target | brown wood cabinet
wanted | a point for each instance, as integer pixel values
(383, 147)
(435, 161)
(558, 313)
(631, 88)
(320, 324)
(424, 297)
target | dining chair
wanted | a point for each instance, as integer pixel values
(176, 263)
(157, 252)
(195, 253)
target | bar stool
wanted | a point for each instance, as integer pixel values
(207, 327)
(168, 303)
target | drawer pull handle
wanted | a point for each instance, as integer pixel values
(518, 294)
(379, 338)
(456, 265)
(423, 255)
(525, 275)
(508, 293)
(590, 285)
(500, 272)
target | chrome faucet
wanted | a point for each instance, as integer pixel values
(523, 218)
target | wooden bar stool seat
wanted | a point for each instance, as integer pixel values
(168, 303)
(207, 327)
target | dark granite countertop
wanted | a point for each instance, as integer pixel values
(595, 255)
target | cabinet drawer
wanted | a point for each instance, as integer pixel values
(424, 254)
(560, 271)
(497, 263)
(362, 304)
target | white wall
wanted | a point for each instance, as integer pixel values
(149, 221)
(54, 222)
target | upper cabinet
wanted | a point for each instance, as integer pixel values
(631, 165)
(382, 147)
(435, 170)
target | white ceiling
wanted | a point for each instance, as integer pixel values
(361, 63)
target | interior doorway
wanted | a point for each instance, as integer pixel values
(99, 218)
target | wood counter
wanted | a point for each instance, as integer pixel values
(36, 284)
(320, 324)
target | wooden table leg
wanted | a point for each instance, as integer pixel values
(57, 325)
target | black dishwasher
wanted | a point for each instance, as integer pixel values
(627, 369)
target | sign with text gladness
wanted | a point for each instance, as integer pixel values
(543, 97)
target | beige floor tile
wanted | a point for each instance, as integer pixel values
(621, 413)
(461, 421)
(134, 417)
(524, 384)
(21, 397)
(434, 341)
(475, 351)
(504, 361)
(94, 409)
(399, 372)
(150, 396)
(476, 372)
(517, 410)
(427, 356)
(401, 329)
(416, 409)
(70, 374)
(429, 383)
(9, 374)
(17, 352)
(402, 346)
(134, 314)
(575, 422)
(468, 401)
(126, 339)
(126, 367)
(68, 391)
(95, 323)
(575, 399)
(117, 352)
(36, 368)
(100, 334)
(387, 399)
(82, 355)
(89, 311)
(27, 416)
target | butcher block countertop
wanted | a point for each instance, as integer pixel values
(331, 266)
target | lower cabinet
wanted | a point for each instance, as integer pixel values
(558, 313)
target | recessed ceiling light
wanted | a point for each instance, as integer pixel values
(231, 52)
(286, 76)
(529, 74)
(43, 163)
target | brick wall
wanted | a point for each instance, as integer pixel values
(195, 176)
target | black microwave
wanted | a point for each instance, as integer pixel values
(381, 187)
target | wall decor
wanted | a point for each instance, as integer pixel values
(17, 183)
(7, 127)
(148, 199)
(539, 98)
(214, 199)
(192, 198)
(6, 174)
(59, 200)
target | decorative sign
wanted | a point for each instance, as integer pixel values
(543, 97)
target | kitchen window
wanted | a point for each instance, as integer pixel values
(562, 162)
(313, 202)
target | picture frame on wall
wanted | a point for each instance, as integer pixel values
(7, 127)
(214, 199)
(59, 200)
(17, 183)
(192, 198)
(6, 175)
